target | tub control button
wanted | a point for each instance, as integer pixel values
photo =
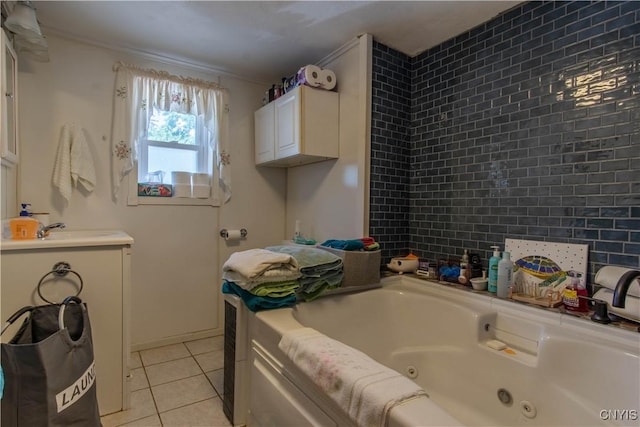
(496, 345)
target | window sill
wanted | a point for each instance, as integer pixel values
(175, 201)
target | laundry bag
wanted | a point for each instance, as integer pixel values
(49, 370)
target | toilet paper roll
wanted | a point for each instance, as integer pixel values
(309, 75)
(233, 235)
(609, 275)
(181, 178)
(327, 79)
(182, 190)
(200, 179)
(200, 191)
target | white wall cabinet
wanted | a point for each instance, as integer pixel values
(298, 128)
(9, 102)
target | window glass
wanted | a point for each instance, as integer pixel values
(172, 127)
(172, 159)
(173, 144)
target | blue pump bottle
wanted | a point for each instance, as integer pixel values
(493, 270)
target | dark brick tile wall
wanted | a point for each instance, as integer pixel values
(527, 126)
(390, 128)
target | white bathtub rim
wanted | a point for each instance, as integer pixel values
(558, 321)
(283, 320)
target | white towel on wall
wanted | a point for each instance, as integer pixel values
(74, 162)
(62, 167)
(83, 170)
(364, 389)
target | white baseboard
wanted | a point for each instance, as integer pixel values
(176, 339)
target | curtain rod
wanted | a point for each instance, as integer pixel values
(165, 75)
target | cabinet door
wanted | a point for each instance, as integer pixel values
(265, 134)
(287, 112)
(9, 106)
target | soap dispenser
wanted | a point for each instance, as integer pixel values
(26, 209)
(505, 274)
(493, 270)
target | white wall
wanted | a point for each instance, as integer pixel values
(177, 252)
(331, 198)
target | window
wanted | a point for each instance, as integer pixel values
(167, 129)
(174, 142)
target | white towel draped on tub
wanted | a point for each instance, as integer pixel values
(363, 388)
(74, 162)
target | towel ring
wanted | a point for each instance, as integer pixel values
(60, 269)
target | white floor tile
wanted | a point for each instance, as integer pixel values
(134, 360)
(138, 379)
(152, 421)
(182, 392)
(205, 345)
(202, 414)
(142, 406)
(211, 361)
(164, 354)
(217, 379)
(171, 371)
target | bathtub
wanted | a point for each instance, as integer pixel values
(557, 370)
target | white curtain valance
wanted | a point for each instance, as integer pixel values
(138, 92)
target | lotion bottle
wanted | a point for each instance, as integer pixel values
(505, 274)
(493, 270)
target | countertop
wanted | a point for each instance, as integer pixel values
(70, 239)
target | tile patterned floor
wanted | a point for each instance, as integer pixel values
(176, 385)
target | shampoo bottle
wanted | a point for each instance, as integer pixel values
(493, 270)
(505, 274)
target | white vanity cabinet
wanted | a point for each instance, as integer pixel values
(298, 128)
(104, 264)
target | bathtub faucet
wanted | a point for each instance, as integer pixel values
(622, 288)
(43, 230)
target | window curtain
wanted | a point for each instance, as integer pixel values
(137, 92)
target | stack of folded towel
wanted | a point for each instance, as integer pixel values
(320, 270)
(263, 279)
(365, 243)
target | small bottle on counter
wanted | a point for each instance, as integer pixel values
(493, 269)
(571, 297)
(505, 275)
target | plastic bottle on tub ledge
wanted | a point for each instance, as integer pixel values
(505, 275)
(493, 270)
(571, 296)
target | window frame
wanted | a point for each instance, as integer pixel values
(206, 162)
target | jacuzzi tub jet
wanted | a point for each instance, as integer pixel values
(412, 372)
(528, 409)
(505, 397)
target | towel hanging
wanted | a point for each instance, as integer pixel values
(74, 163)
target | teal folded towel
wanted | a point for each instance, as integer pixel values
(321, 270)
(310, 260)
(257, 303)
(345, 245)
